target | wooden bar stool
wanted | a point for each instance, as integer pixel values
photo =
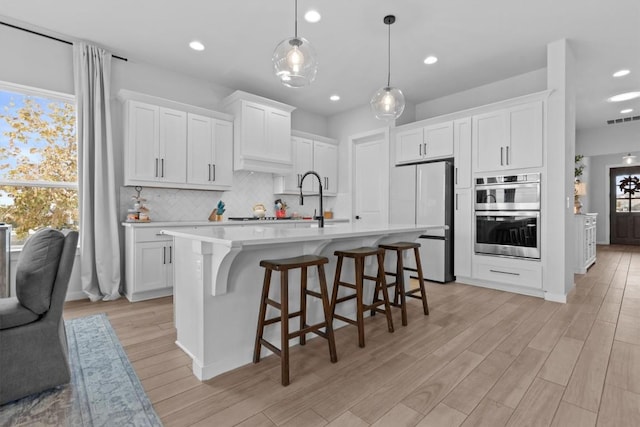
(359, 256)
(283, 266)
(400, 294)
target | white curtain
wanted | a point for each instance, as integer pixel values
(99, 238)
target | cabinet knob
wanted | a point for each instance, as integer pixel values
(358, 217)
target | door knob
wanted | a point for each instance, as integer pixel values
(358, 217)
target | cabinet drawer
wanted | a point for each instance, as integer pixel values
(151, 234)
(518, 275)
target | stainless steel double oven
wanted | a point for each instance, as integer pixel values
(507, 214)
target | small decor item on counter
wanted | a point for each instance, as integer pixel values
(281, 208)
(328, 214)
(216, 214)
(259, 211)
(139, 213)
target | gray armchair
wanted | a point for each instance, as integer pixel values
(33, 341)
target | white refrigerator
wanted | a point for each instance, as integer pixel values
(423, 194)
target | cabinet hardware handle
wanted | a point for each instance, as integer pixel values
(456, 176)
(170, 254)
(164, 255)
(214, 171)
(358, 217)
(504, 272)
(159, 234)
(156, 170)
(425, 148)
(501, 150)
(162, 168)
(209, 176)
(456, 201)
(420, 149)
(507, 156)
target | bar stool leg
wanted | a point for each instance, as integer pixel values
(327, 314)
(336, 281)
(400, 287)
(359, 304)
(284, 326)
(385, 293)
(262, 316)
(303, 304)
(423, 292)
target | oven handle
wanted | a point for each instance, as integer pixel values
(508, 185)
(528, 214)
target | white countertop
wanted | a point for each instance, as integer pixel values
(257, 235)
(227, 223)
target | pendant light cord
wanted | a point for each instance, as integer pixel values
(388, 56)
(296, 20)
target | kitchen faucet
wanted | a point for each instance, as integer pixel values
(321, 217)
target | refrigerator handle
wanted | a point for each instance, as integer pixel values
(456, 201)
(456, 178)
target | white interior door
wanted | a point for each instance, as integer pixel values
(370, 188)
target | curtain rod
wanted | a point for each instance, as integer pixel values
(51, 37)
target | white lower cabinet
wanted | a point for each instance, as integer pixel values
(462, 232)
(148, 263)
(522, 276)
(584, 241)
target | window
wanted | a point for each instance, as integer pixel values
(38, 160)
(628, 193)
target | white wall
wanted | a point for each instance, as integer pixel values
(31, 60)
(523, 84)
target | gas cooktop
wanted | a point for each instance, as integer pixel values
(253, 218)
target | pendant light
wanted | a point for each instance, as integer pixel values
(294, 60)
(388, 102)
(629, 159)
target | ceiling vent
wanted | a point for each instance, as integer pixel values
(622, 120)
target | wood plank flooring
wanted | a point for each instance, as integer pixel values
(482, 358)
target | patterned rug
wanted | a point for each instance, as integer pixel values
(104, 388)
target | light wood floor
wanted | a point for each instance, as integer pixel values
(482, 357)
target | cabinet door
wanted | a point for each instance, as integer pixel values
(409, 146)
(254, 130)
(279, 136)
(302, 162)
(525, 136)
(142, 142)
(438, 141)
(173, 146)
(462, 152)
(463, 232)
(200, 146)
(222, 161)
(151, 261)
(325, 159)
(489, 140)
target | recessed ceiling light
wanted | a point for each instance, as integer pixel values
(624, 97)
(335, 98)
(626, 111)
(196, 45)
(621, 73)
(312, 16)
(429, 60)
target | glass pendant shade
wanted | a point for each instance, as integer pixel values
(387, 103)
(295, 62)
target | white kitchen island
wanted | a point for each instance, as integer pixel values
(218, 282)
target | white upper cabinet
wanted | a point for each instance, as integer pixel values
(325, 162)
(426, 143)
(181, 147)
(311, 154)
(156, 145)
(462, 152)
(510, 138)
(209, 147)
(262, 133)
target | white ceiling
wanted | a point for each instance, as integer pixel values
(477, 42)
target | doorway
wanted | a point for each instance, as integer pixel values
(370, 179)
(624, 204)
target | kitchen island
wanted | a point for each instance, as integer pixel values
(218, 282)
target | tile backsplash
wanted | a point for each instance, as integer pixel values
(249, 188)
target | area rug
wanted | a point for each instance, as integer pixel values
(104, 389)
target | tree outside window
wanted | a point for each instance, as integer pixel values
(38, 160)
